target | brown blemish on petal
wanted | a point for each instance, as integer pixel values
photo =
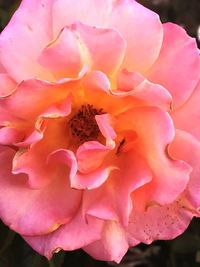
(29, 27)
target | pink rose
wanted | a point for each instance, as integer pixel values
(100, 133)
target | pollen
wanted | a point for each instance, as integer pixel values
(83, 124)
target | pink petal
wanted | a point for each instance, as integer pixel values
(145, 93)
(22, 40)
(177, 73)
(10, 135)
(158, 223)
(75, 234)
(35, 96)
(153, 95)
(155, 131)
(64, 13)
(79, 180)
(90, 156)
(112, 200)
(97, 86)
(104, 122)
(112, 246)
(6, 117)
(65, 157)
(127, 81)
(187, 148)
(95, 49)
(62, 56)
(143, 41)
(187, 116)
(33, 161)
(97, 83)
(7, 85)
(32, 135)
(90, 180)
(17, 199)
(58, 109)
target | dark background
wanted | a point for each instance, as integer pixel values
(183, 251)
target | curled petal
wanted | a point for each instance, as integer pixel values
(90, 156)
(90, 180)
(17, 199)
(34, 160)
(104, 122)
(58, 109)
(75, 234)
(62, 56)
(127, 81)
(67, 158)
(10, 135)
(79, 180)
(144, 93)
(39, 96)
(32, 136)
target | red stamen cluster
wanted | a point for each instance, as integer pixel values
(83, 124)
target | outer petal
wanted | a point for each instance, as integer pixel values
(130, 19)
(113, 244)
(155, 131)
(187, 117)
(32, 24)
(178, 66)
(64, 13)
(187, 148)
(73, 235)
(158, 223)
(17, 200)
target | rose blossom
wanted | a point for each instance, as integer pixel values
(100, 133)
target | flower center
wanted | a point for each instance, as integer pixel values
(83, 124)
